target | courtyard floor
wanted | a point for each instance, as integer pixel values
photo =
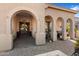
(25, 46)
(34, 50)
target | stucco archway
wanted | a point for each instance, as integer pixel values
(10, 14)
(59, 27)
(39, 33)
(69, 28)
(23, 16)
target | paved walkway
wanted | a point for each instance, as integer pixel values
(24, 41)
(26, 47)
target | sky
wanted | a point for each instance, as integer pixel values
(73, 6)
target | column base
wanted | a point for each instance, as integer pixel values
(6, 42)
(40, 38)
(54, 37)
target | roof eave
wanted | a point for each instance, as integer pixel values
(63, 9)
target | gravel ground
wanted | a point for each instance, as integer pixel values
(23, 48)
(34, 50)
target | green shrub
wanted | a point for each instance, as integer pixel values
(77, 43)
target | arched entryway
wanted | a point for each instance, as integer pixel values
(59, 28)
(23, 28)
(49, 28)
(76, 30)
(69, 28)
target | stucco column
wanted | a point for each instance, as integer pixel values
(72, 29)
(54, 30)
(64, 29)
(40, 34)
(6, 42)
